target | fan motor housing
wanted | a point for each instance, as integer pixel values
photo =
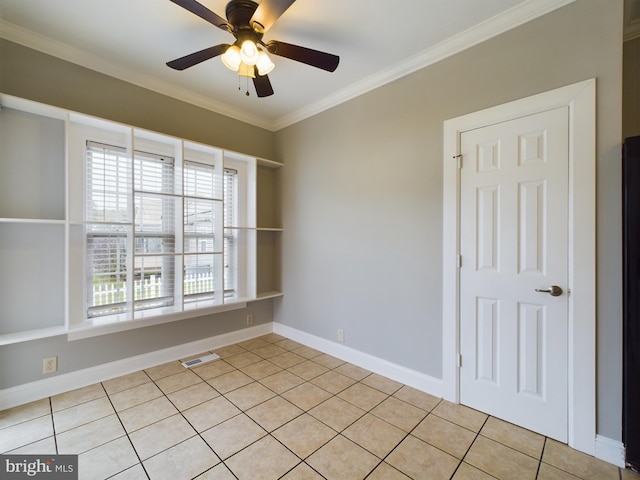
(239, 12)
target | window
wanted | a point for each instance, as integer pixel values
(155, 235)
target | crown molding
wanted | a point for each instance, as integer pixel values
(75, 55)
(507, 20)
(492, 27)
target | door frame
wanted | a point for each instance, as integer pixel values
(581, 100)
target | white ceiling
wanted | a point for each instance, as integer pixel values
(377, 41)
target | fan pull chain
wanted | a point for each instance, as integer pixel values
(247, 94)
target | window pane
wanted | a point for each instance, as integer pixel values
(199, 276)
(200, 180)
(154, 280)
(107, 263)
(108, 184)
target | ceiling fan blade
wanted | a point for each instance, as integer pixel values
(204, 13)
(263, 85)
(197, 57)
(269, 11)
(315, 58)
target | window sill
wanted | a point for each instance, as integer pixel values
(120, 323)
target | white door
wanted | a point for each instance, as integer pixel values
(513, 244)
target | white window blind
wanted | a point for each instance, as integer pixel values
(151, 242)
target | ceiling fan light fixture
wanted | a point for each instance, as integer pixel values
(231, 58)
(249, 52)
(265, 65)
(247, 70)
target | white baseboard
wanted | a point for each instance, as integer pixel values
(33, 391)
(412, 378)
(609, 450)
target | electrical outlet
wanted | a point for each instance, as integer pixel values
(49, 364)
(341, 335)
(250, 319)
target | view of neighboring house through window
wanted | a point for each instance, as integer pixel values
(154, 234)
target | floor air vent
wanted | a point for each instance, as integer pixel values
(200, 361)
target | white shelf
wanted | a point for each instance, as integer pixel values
(32, 221)
(268, 163)
(29, 335)
(267, 295)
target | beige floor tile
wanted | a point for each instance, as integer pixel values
(518, 438)
(272, 338)
(135, 396)
(374, 435)
(209, 414)
(274, 413)
(140, 416)
(22, 413)
(213, 369)
(303, 472)
(500, 461)
(126, 381)
(333, 382)
(363, 396)
(80, 414)
(269, 351)
(260, 370)
(192, 396)
(328, 361)
(183, 461)
(178, 382)
(46, 446)
(76, 397)
(384, 471)
(337, 413)
(577, 463)
(304, 435)
(306, 352)
(627, 474)
(308, 370)
(231, 436)
(417, 398)
(419, 460)
(547, 472)
(229, 351)
(166, 433)
(398, 413)
(25, 433)
(287, 360)
(282, 381)
(165, 370)
(289, 344)
(254, 344)
(266, 459)
(91, 435)
(133, 473)
(250, 395)
(384, 384)
(445, 435)
(467, 472)
(219, 472)
(306, 396)
(230, 381)
(107, 460)
(460, 414)
(244, 359)
(341, 459)
(353, 371)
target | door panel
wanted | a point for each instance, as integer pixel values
(514, 237)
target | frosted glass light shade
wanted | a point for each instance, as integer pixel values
(249, 52)
(231, 58)
(265, 65)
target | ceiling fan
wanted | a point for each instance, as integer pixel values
(248, 21)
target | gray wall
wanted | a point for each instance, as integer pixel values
(362, 193)
(33, 75)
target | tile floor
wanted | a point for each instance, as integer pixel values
(271, 408)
